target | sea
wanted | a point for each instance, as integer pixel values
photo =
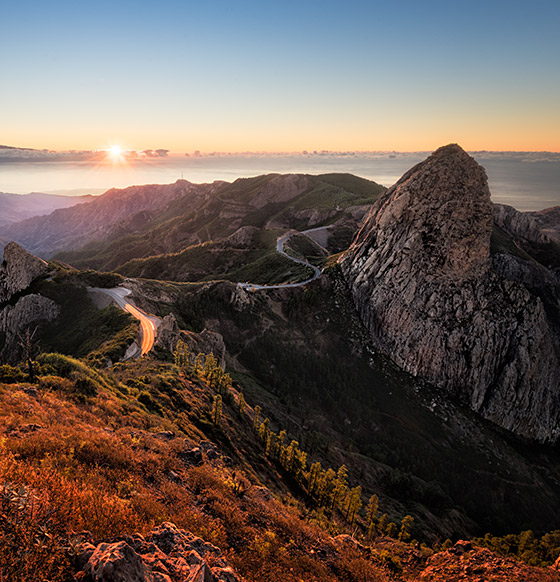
(525, 180)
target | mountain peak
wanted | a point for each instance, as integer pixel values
(440, 213)
(421, 278)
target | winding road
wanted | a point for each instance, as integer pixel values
(280, 242)
(150, 323)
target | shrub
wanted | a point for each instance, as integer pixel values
(11, 375)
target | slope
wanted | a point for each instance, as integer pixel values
(266, 202)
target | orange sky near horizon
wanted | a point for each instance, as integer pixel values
(254, 76)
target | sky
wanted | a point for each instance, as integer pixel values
(239, 75)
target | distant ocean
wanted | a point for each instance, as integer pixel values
(527, 181)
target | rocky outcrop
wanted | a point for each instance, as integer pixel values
(421, 278)
(464, 563)
(166, 554)
(18, 270)
(18, 310)
(29, 310)
(521, 226)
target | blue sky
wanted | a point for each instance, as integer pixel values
(235, 76)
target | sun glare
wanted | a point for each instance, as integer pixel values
(115, 151)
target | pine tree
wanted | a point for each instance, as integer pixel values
(313, 478)
(264, 431)
(371, 514)
(354, 503)
(199, 362)
(242, 405)
(382, 523)
(392, 530)
(406, 527)
(340, 488)
(256, 418)
(217, 409)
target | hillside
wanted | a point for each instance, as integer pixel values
(266, 202)
(107, 215)
(158, 452)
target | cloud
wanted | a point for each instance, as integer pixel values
(160, 153)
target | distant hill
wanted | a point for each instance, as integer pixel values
(126, 209)
(17, 207)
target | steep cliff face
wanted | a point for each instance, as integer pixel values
(421, 277)
(17, 309)
(17, 270)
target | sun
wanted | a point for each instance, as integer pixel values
(115, 151)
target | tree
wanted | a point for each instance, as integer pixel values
(217, 409)
(256, 419)
(392, 530)
(29, 347)
(354, 503)
(340, 488)
(313, 478)
(406, 527)
(241, 403)
(382, 523)
(371, 514)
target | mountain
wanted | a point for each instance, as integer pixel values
(74, 227)
(16, 207)
(423, 281)
(272, 202)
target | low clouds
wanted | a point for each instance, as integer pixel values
(155, 153)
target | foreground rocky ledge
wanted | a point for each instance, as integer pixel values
(166, 554)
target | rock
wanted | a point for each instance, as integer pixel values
(117, 562)
(174, 477)
(18, 270)
(167, 554)
(168, 333)
(242, 237)
(263, 493)
(165, 435)
(556, 564)
(192, 456)
(209, 449)
(206, 342)
(420, 275)
(521, 226)
(465, 563)
(348, 540)
(30, 310)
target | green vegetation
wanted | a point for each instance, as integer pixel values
(527, 547)
(256, 263)
(501, 242)
(303, 247)
(83, 330)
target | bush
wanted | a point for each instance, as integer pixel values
(11, 375)
(56, 383)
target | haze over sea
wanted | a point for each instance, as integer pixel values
(525, 180)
